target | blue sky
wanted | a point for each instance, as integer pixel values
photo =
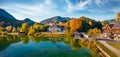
(38, 10)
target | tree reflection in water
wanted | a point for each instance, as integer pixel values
(5, 41)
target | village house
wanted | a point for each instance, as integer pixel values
(54, 27)
(112, 30)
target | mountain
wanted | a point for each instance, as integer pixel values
(29, 21)
(58, 18)
(110, 20)
(6, 15)
(7, 19)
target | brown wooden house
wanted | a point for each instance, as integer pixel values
(112, 30)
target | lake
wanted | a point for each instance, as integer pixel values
(29, 46)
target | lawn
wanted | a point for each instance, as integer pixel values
(117, 46)
(106, 50)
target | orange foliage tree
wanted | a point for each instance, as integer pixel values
(75, 24)
(118, 16)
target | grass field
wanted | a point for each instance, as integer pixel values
(117, 46)
(106, 50)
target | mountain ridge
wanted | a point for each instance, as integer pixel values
(58, 18)
(11, 20)
(5, 14)
(29, 21)
(7, 19)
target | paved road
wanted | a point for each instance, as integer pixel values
(115, 51)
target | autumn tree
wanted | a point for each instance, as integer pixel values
(86, 24)
(24, 27)
(118, 16)
(75, 24)
(61, 24)
(90, 23)
(31, 31)
(82, 18)
(104, 23)
(9, 28)
(42, 28)
(1, 29)
(14, 30)
(94, 32)
(67, 26)
(36, 26)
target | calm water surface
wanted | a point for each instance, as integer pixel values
(13, 46)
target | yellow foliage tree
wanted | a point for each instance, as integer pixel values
(94, 32)
(1, 29)
(82, 18)
(104, 23)
(24, 27)
(90, 23)
(118, 16)
(14, 29)
(36, 26)
(31, 31)
(75, 24)
(42, 27)
(61, 24)
(67, 26)
(9, 28)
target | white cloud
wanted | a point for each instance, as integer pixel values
(49, 8)
(98, 2)
(101, 2)
(36, 12)
(81, 5)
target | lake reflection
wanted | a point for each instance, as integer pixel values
(29, 46)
